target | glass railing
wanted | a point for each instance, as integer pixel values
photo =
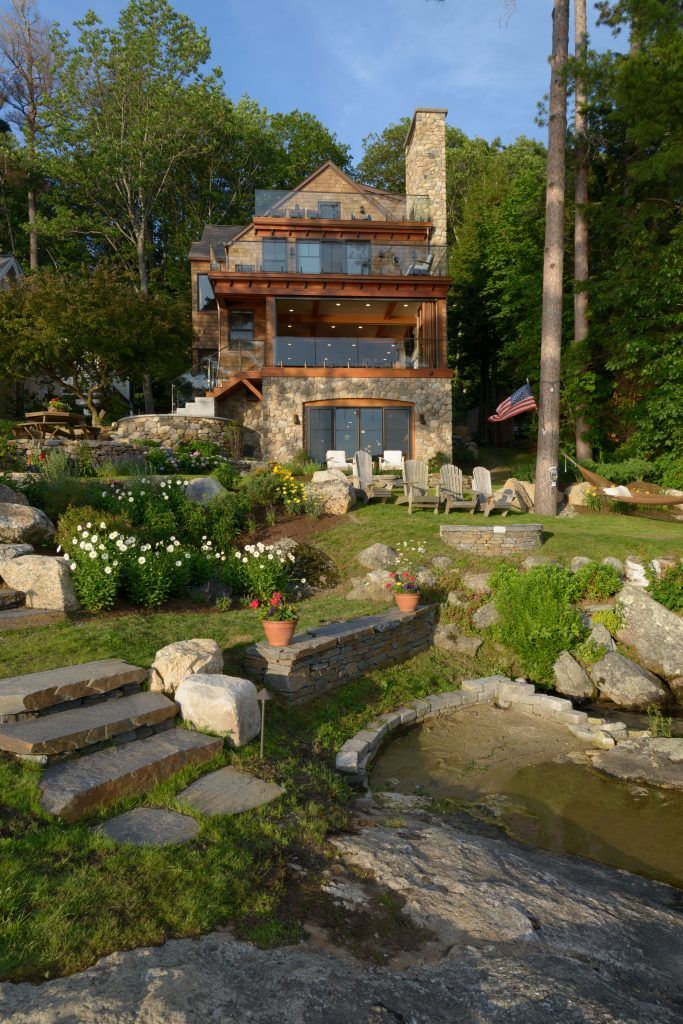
(306, 256)
(194, 383)
(340, 206)
(375, 353)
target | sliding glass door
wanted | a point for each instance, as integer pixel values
(348, 428)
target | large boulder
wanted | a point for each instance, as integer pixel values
(204, 490)
(336, 497)
(485, 616)
(635, 570)
(655, 633)
(524, 493)
(478, 582)
(378, 556)
(21, 524)
(325, 476)
(576, 494)
(226, 705)
(45, 582)
(627, 684)
(376, 586)
(11, 497)
(184, 658)
(571, 679)
(14, 550)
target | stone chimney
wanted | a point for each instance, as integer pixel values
(426, 165)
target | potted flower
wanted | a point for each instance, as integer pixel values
(279, 619)
(406, 590)
(57, 405)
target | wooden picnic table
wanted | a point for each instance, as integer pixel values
(50, 423)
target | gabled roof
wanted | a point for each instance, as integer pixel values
(215, 235)
(9, 263)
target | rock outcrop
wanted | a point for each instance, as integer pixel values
(204, 490)
(378, 556)
(44, 581)
(336, 496)
(22, 524)
(627, 684)
(655, 633)
(571, 679)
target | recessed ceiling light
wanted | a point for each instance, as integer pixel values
(333, 326)
(291, 311)
(368, 303)
(337, 303)
(289, 325)
(360, 328)
(405, 305)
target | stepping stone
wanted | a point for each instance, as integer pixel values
(150, 826)
(73, 788)
(92, 723)
(229, 791)
(44, 689)
(27, 618)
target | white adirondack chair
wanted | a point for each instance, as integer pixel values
(481, 480)
(363, 479)
(416, 486)
(338, 460)
(450, 490)
(391, 460)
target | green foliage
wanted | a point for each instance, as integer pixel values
(438, 460)
(659, 724)
(266, 570)
(588, 652)
(626, 471)
(537, 619)
(10, 459)
(315, 567)
(596, 582)
(669, 470)
(261, 489)
(84, 461)
(232, 439)
(6, 429)
(226, 475)
(668, 589)
(611, 618)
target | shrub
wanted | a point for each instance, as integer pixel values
(438, 460)
(226, 475)
(83, 461)
(96, 555)
(316, 567)
(10, 459)
(669, 471)
(525, 470)
(596, 582)
(611, 618)
(226, 519)
(261, 489)
(625, 472)
(668, 589)
(232, 439)
(159, 460)
(196, 457)
(266, 569)
(537, 619)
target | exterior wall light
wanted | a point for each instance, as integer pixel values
(297, 420)
(423, 421)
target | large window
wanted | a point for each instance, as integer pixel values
(308, 257)
(275, 255)
(205, 298)
(329, 210)
(240, 329)
(348, 428)
(331, 257)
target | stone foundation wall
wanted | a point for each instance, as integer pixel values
(325, 658)
(498, 539)
(102, 450)
(269, 430)
(171, 429)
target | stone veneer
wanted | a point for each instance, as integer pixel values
(425, 151)
(171, 429)
(269, 430)
(325, 658)
(498, 539)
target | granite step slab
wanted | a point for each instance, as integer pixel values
(150, 826)
(10, 598)
(229, 791)
(85, 725)
(39, 690)
(72, 789)
(28, 618)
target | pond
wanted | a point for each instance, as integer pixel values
(530, 777)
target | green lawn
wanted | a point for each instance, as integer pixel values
(69, 896)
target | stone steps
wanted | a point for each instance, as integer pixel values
(10, 598)
(72, 789)
(38, 691)
(27, 618)
(85, 724)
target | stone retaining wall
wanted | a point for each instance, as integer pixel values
(355, 756)
(498, 539)
(171, 429)
(327, 657)
(104, 449)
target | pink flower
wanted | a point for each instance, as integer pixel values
(253, 604)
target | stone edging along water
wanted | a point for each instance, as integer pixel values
(354, 757)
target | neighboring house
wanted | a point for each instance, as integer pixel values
(324, 319)
(10, 391)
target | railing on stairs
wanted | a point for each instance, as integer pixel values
(194, 383)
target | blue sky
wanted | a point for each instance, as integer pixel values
(359, 64)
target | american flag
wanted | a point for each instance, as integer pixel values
(521, 401)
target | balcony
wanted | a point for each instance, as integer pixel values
(344, 206)
(355, 258)
(349, 353)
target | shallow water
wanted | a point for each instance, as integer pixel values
(522, 774)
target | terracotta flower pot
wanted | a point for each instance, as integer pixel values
(407, 602)
(279, 634)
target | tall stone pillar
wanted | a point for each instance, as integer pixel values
(425, 150)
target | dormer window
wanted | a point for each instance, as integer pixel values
(329, 210)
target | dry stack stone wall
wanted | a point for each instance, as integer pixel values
(426, 165)
(498, 539)
(104, 449)
(325, 658)
(171, 429)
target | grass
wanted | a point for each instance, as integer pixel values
(69, 895)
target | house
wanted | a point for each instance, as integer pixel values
(322, 323)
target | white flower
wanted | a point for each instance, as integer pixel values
(65, 556)
(270, 557)
(130, 499)
(88, 525)
(74, 540)
(141, 560)
(94, 538)
(103, 526)
(79, 528)
(290, 556)
(113, 535)
(179, 563)
(107, 570)
(104, 494)
(93, 554)
(170, 549)
(303, 580)
(59, 547)
(72, 566)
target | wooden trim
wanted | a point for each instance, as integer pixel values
(350, 230)
(370, 403)
(255, 391)
(344, 371)
(236, 284)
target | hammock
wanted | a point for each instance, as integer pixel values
(629, 494)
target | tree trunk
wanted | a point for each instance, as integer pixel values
(147, 392)
(583, 448)
(553, 259)
(33, 234)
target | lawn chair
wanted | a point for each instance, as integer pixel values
(481, 480)
(391, 460)
(338, 460)
(363, 479)
(416, 486)
(451, 492)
